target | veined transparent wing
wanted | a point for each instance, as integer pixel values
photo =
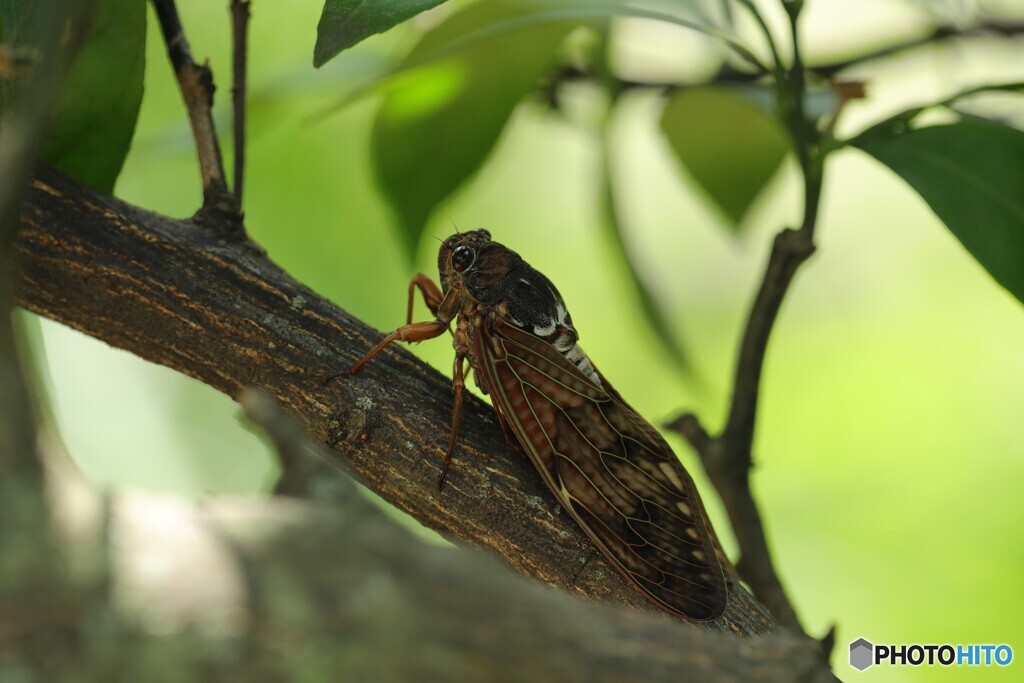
(608, 467)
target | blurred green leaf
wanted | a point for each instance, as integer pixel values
(343, 23)
(19, 21)
(22, 24)
(971, 174)
(93, 121)
(438, 123)
(646, 294)
(728, 145)
(535, 13)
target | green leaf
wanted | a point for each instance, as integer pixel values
(684, 13)
(729, 145)
(971, 174)
(438, 123)
(646, 294)
(94, 118)
(343, 23)
(536, 13)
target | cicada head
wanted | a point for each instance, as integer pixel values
(497, 278)
(467, 245)
(480, 266)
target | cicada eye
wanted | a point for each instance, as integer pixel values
(462, 259)
(486, 234)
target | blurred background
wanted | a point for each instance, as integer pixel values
(889, 450)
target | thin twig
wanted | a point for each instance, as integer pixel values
(992, 27)
(727, 458)
(196, 84)
(826, 71)
(240, 35)
(769, 38)
(21, 131)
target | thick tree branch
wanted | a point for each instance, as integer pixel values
(221, 312)
(263, 590)
(196, 84)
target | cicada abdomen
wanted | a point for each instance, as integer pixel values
(607, 466)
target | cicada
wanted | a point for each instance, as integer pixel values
(607, 466)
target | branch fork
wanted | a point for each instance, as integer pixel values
(221, 211)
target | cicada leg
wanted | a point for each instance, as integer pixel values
(459, 384)
(413, 332)
(432, 295)
(445, 307)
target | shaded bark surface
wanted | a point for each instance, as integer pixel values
(222, 312)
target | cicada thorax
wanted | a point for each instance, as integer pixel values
(499, 285)
(606, 465)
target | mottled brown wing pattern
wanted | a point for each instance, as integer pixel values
(608, 467)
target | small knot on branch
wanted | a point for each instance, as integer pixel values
(796, 244)
(204, 79)
(689, 427)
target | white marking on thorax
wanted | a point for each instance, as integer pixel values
(576, 355)
(545, 330)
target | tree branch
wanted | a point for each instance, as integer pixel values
(826, 71)
(221, 312)
(728, 457)
(196, 85)
(1005, 28)
(260, 590)
(240, 28)
(34, 581)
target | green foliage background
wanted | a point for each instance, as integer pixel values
(889, 451)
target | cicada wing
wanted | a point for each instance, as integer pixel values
(608, 467)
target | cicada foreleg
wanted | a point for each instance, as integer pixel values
(444, 307)
(410, 334)
(432, 295)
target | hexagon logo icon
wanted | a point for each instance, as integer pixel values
(862, 654)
